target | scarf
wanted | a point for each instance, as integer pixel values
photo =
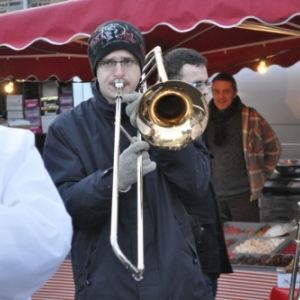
(219, 117)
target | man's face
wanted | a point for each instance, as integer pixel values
(192, 73)
(130, 73)
(223, 94)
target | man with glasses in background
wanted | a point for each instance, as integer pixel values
(190, 66)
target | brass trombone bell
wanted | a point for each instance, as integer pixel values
(172, 114)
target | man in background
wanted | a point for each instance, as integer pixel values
(190, 66)
(245, 150)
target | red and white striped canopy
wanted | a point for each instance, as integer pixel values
(51, 40)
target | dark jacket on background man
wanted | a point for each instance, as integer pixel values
(79, 156)
(208, 231)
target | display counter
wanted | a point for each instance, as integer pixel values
(240, 285)
(254, 277)
(256, 252)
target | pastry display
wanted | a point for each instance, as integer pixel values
(257, 245)
(236, 230)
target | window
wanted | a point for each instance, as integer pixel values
(35, 3)
(10, 5)
(13, 5)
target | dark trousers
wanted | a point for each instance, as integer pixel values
(211, 284)
(239, 210)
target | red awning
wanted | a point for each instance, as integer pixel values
(51, 40)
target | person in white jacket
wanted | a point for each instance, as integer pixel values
(35, 229)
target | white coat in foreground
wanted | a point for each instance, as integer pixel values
(35, 229)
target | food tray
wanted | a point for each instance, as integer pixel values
(231, 240)
(253, 260)
(259, 245)
(248, 229)
(261, 260)
(241, 228)
(287, 166)
(288, 248)
(281, 260)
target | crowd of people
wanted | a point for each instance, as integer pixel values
(63, 202)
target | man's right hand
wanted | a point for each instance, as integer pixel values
(128, 164)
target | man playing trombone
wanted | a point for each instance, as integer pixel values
(79, 154)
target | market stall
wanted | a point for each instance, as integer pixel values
(241, 285)
(231, 34)
(255, 264)
(264, 252)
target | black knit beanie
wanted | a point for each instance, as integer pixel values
(112, 36)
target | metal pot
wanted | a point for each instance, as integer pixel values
(288, 166)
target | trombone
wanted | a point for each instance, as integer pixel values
(170, 115)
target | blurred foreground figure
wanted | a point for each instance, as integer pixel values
(35, 229)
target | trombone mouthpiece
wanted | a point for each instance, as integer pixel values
(119, 84)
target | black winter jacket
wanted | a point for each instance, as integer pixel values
(208, 231)
(78, 153)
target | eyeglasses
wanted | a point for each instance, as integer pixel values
(111, 64)
(201, 84)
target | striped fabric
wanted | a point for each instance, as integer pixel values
(60, 286)
(241, 285)
(246, 285)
